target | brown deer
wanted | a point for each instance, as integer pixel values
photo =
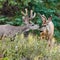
(47, 28)
(11, 31)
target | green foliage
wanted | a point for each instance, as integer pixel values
(12, 21)
(3, 20)
(30, 48)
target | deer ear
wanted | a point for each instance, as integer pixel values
(43, 17)
(50, 18)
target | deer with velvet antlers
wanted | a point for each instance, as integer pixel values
(11, 31)
(47, 28)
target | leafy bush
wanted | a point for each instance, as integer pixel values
(29, 48)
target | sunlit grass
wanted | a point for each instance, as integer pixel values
(30, 47)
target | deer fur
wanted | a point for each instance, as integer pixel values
(10, 31)
(50, 28)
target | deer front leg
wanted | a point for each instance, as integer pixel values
(1, 36)
(50, 42)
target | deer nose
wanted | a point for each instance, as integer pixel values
(41, 31)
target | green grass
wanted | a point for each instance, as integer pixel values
(29, 48)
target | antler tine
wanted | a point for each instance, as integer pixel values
(26, 11)
(32, 15)
(42, 16)
(25, 14)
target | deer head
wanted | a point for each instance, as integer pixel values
(26, 19)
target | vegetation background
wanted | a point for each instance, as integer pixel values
(10, 13)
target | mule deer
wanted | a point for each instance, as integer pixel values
(47, 28)
(10, 31)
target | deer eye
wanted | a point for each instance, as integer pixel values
(32, 24)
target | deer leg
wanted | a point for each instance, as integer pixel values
(3, 36)
(50, 43)
(26, 34)
(13, 37)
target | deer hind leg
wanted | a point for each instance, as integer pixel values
(1, 37)
(50, 42)
(12, 38)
